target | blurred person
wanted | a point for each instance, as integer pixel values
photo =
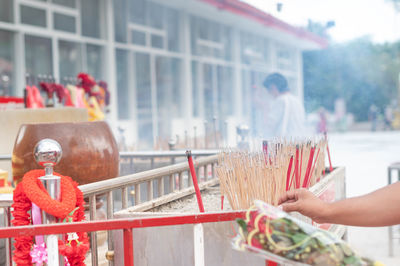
(388, 118)
(378, 208)
(373, 116)
(286, 115)
(323, 121)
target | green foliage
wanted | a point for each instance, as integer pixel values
(361, 72)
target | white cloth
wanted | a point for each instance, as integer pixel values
(285, 118)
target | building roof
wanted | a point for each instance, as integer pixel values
(245, 10)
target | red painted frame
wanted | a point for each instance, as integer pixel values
(125, 224)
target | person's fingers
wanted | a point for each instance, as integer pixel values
(289, 195)
(290, 207)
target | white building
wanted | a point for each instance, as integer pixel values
(170, 64)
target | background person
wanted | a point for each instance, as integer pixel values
(286, 115)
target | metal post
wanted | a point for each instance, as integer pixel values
(48, 153)
(7, 218)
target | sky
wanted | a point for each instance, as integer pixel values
(354, 18)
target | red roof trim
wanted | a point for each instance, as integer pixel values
(248, 11)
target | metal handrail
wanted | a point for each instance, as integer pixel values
(160, 154)
(145, 176)
(148, 154)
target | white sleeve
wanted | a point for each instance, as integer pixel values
(274, 117)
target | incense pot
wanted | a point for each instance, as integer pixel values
(90, 152)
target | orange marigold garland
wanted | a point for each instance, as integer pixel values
(31, 190)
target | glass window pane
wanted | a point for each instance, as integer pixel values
(225, 95)
(120, 20)
(122, 85)
(155, 15)
(137, 11)
(286, 58)
(138, 37)
(38, 55)
(168, 93)
(68, 3)
(64, 22)
(157, 41)
(91, 18)
(172, 19)
(143, 96)
(6, 11)
(94, 59)
(195, 89)
(33, 16)
(70, 59)
(7, 85)
(227, 43)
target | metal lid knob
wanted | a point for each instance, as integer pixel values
(47, 153)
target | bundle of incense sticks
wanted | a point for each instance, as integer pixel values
(281, 166)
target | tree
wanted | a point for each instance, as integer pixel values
(361, 72)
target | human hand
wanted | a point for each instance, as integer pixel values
(306, 203)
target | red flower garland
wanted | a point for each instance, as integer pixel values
(31, 190)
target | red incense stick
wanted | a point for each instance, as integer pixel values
(222, 202)
(312, 169)
(265, 150)
(309, 164)
(301, 160)
(297, 168)
(194, 178)
(289, 170)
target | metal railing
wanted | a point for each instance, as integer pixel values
(120, 224)
(137, 161)
(179, 184)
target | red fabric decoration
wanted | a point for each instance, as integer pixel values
(31, 190)
(87, 82)
(36, 193)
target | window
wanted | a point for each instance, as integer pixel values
(33, 16)
(209, 38)
(254, 49)
(225, 92)
(137, 11)
(146, 23)
(6, 11)
(157, 41)
(70, 59)
(172, 27)
(195, 89)
(169, 96)
(123, 96)
(6, 63)
(143, 96)
(91, 17)
(94, 60)
(38, 55)
(64, 22)
(138, 37)
(120, 20)
(285, 58)
(155, 16)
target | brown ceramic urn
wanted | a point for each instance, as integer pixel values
(90, 152)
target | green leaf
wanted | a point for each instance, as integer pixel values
(299, 237)
(350, 260)
(242, 224)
